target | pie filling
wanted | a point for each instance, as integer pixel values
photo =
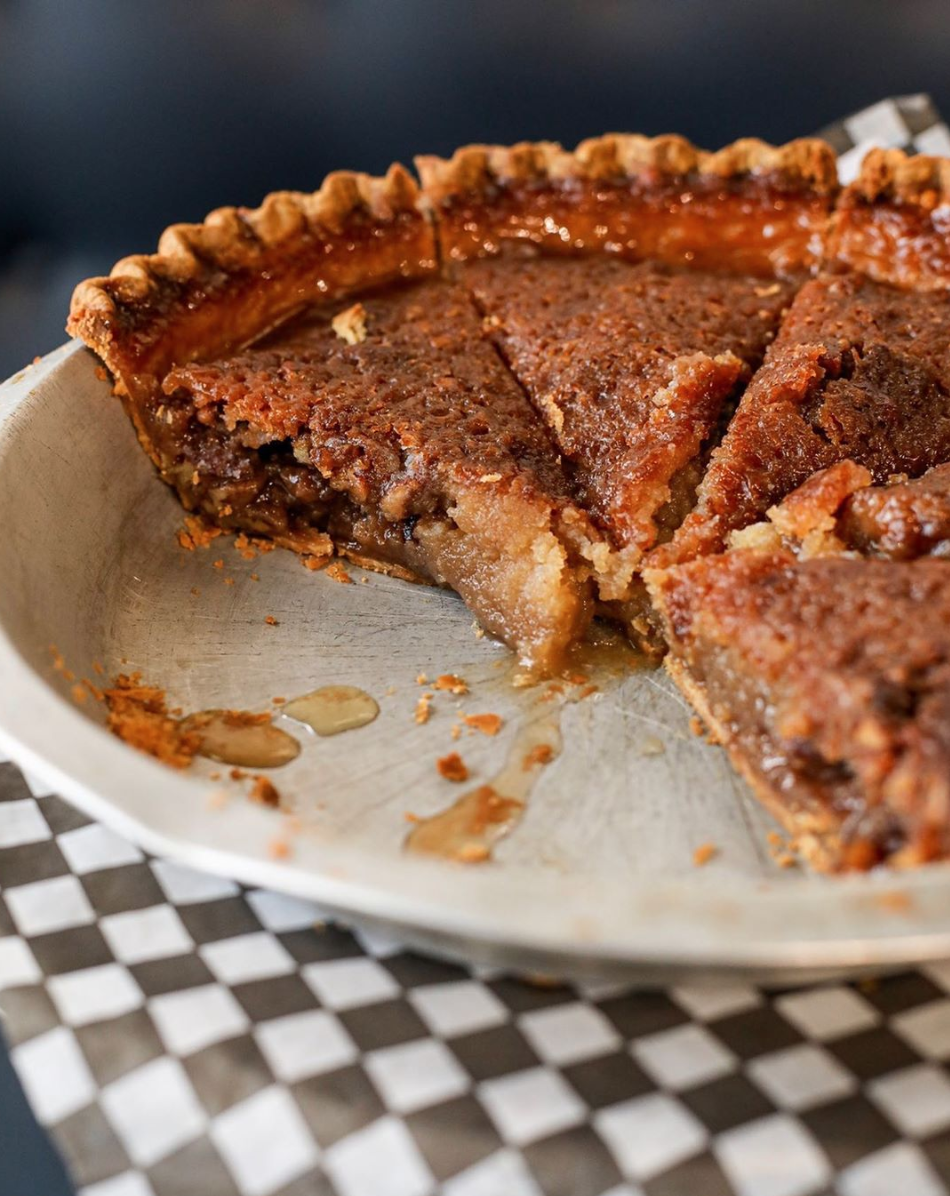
(759, 227)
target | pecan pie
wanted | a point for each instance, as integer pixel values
(553, 380)
(828, 682)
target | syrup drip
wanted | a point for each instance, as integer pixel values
(468, 829)
(333, 709)
(241, 739)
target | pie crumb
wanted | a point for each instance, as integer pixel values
(197, 533)
(139, 715)
(350, 325)
(423, 711)
(541, 753)
(451, 683)
(452, 767)
(704, 853)
(487, 724)
(264, 792)
(270, 621)
(279, 849)
(337, 571)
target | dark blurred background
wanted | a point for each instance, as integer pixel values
(120, 116)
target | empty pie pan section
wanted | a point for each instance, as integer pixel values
(598, 878)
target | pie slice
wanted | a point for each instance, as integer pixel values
(828, 682)
(839, 511)
(396, 429)
(860, 370)
(389, 426)
(632, 365)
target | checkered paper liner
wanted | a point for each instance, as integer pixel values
(178, 1034)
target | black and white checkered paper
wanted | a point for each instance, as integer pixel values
(178, 1034)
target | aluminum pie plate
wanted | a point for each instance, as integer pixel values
(596, 881)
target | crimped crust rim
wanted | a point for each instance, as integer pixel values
(232, 238)
(806, 162)
(892, 176)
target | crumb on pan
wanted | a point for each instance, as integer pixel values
(486, 724)
(264, 792)
(451, 683)
(245, 547)
(138, 715)
(423, 708)
(197, 533)
(540, 754)
(337, 571)
(704, 853)
(452, 767)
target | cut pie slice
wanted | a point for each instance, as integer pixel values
(391, 427)
(396, 429)
(828, 682)
(632, 365)
(860, 369)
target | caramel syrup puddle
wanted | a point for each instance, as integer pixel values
(469, 829)
(333, 709)
(241, 739)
